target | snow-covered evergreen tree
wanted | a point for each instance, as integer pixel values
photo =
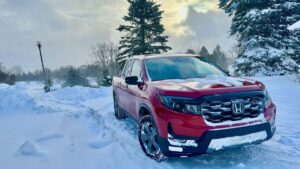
(144, 31)
(296, 35)
(290, 14)
(284, 14)
(261, 37)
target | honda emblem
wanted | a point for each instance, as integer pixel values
(237, 107)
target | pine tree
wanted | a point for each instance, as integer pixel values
(204, 52)
(6, 77)
(261, 47)
(296, 44)
(75, 79)
(144, 32)
(190, 51)
(290, 14)
(219, 58)
(48, 85)
(285, 13)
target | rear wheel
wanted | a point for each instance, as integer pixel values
(118, 113)
(148, 137)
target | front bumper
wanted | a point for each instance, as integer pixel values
(208, 142)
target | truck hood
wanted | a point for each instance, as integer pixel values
(210, 83)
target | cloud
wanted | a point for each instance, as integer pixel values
(204, 28)
(68, 28)
(176, 12)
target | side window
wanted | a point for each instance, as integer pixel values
(136, 69)
(127, 68)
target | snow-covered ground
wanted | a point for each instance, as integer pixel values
(74, 128)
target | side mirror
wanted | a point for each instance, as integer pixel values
(227, 72)
(131, 80)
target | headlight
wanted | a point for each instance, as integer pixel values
(267, 98)
(181, 104)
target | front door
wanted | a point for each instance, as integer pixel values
(133, 90)
(123, 87)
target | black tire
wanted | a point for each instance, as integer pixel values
(148, 138)
(118, 113)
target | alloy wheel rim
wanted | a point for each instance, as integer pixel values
(149, 139)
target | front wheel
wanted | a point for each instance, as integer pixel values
(148, 137)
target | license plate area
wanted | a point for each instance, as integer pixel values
(235, 141)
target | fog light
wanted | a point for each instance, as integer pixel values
(181, 142)
(172, 140)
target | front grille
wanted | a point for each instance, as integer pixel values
(220, 110)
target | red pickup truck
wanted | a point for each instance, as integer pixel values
(186, 106)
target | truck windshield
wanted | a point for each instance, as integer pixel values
(165, 68)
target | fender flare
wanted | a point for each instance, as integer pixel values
(145, 106)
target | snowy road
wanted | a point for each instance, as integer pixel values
(74, 128)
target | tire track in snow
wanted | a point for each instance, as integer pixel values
(124, 133)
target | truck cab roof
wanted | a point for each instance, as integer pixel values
(163, 55)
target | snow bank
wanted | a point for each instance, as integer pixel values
(24, 97)
(16, 97)
(75, 128)
(79, 93)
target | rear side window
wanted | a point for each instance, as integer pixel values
(127, 68)
(136, 68)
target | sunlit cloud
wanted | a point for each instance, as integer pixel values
(176, 12)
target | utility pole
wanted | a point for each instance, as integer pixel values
(39, 45)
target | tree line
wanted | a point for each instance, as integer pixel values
(217, 57)
(103, 64)
(103, 56)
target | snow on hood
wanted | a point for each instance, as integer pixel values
(208, 82)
